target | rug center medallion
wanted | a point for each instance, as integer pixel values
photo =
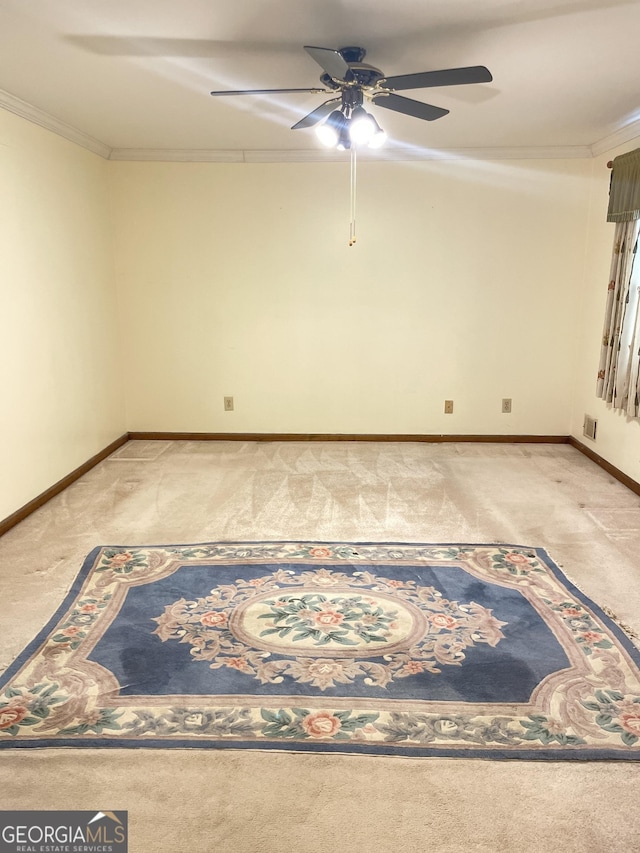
(325, 628)
(316, 623)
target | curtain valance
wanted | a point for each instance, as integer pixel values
(624, 193)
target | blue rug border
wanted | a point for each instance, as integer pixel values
(325, 747)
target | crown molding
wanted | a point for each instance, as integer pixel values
(309, 155)
(318, 155)
(176, 155)
(48, 122)
(619, 137)
(410, 153)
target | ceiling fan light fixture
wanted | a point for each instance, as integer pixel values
(379, 136)
(329, 132)
(363, 126)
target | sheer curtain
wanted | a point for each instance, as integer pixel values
(619, 370)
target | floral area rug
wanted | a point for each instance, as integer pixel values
(446, 650)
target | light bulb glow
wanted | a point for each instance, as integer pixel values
(378, 139)
(327, 134)
(329, 131)
(362, 127)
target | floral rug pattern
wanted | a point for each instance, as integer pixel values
(411, 629)
(456, 650)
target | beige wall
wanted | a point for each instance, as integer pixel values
(238, 280)
(60, 397)
(470, 281)
(618, 437)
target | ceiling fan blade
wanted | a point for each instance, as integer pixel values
(408, 106)
(447, 77)
(333, 63)
(317, 115)
(315, 91)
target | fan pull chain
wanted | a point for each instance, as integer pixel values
(352, 223)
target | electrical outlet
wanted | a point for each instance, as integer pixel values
(228, 404)
(448, 407)
(506, 405)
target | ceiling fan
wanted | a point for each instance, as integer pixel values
(342, 119)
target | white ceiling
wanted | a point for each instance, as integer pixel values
(136, 74)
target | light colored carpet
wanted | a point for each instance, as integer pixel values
(259, 802)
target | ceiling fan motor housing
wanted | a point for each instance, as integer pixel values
(352, 54)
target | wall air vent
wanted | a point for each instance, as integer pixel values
(589, 428)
